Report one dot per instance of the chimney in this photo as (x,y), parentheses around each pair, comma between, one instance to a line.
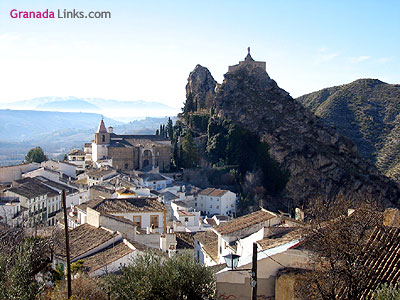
(110,129)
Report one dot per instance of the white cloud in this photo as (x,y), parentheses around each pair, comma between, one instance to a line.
(9,36)
(359,59)
(325,55)
(384,60)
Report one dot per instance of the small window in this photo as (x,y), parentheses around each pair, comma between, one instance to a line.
(154,221)
(103,138)
(126,166)
(210,206)
(186,219)
(195,204)
(137,220)
(217,206)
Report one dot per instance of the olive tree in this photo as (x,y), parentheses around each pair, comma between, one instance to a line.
(151,276)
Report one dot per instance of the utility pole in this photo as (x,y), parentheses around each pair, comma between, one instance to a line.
(67,245)
(254,273)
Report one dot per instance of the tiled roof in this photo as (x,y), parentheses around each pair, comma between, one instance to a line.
(106,256)
(31,188)
(76,152)
(244,221)
(185,213)
(169,196)
(212,250)
(382,258)
(100,171)
(181,203)
(221,217)
(206,237)
(184,240)
(275,241)
(151,177)
(101,128)
(211,221)
(139,137)
(130,205)
(60,186)
(213,192)
(91,203)
(83,239)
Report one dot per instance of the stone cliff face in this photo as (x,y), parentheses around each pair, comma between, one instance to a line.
(200,92)
(320,161)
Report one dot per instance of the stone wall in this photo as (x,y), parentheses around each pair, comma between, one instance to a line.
(123,158)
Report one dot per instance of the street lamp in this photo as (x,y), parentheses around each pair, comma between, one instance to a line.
(232,260)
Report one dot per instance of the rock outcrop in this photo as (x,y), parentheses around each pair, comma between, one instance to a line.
(320,161)
(200,89)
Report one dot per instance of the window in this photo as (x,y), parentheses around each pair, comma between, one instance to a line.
(126,166)
(186,219)
(210,206)
(103,138)
(217,206)
(195,204)
(154,221)
(137,220)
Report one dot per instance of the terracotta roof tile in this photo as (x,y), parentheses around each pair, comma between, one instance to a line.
(206,237)
(382,258)
(119,205)
(244,221)
(184,213)
(83,239)
(213,192)
(212,250)
(106,256)
(275,241)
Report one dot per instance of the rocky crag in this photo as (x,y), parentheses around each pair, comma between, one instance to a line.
(320,162)
(368,112)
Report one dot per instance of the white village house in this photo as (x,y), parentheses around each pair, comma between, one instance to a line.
(213,201)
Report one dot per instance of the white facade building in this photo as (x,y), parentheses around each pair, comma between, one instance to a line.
(216,202)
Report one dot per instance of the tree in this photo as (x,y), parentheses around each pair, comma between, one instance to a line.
(189,154)
(35,155)
(22,259)
(153,277)
(170,129)
(387,292)
(338,244)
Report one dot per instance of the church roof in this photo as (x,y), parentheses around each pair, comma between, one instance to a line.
(102,127)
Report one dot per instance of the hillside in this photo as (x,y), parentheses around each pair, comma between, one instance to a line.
(366,111)
(118,110)
(57,132)
(257,126)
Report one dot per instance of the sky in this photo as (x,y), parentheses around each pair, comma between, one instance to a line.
(147,49)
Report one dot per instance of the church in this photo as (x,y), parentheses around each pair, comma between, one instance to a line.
(130,152)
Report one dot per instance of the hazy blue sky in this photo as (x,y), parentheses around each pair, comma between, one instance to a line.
(147,49)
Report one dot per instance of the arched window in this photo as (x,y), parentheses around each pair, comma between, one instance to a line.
(103,138)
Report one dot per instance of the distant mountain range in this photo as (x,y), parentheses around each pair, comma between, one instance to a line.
(368,112)
(120,110)
(57,132)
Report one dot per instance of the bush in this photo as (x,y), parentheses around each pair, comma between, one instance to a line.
(153,277)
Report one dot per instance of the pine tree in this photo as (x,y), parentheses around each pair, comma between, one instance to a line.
(189,154)
(170,129)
